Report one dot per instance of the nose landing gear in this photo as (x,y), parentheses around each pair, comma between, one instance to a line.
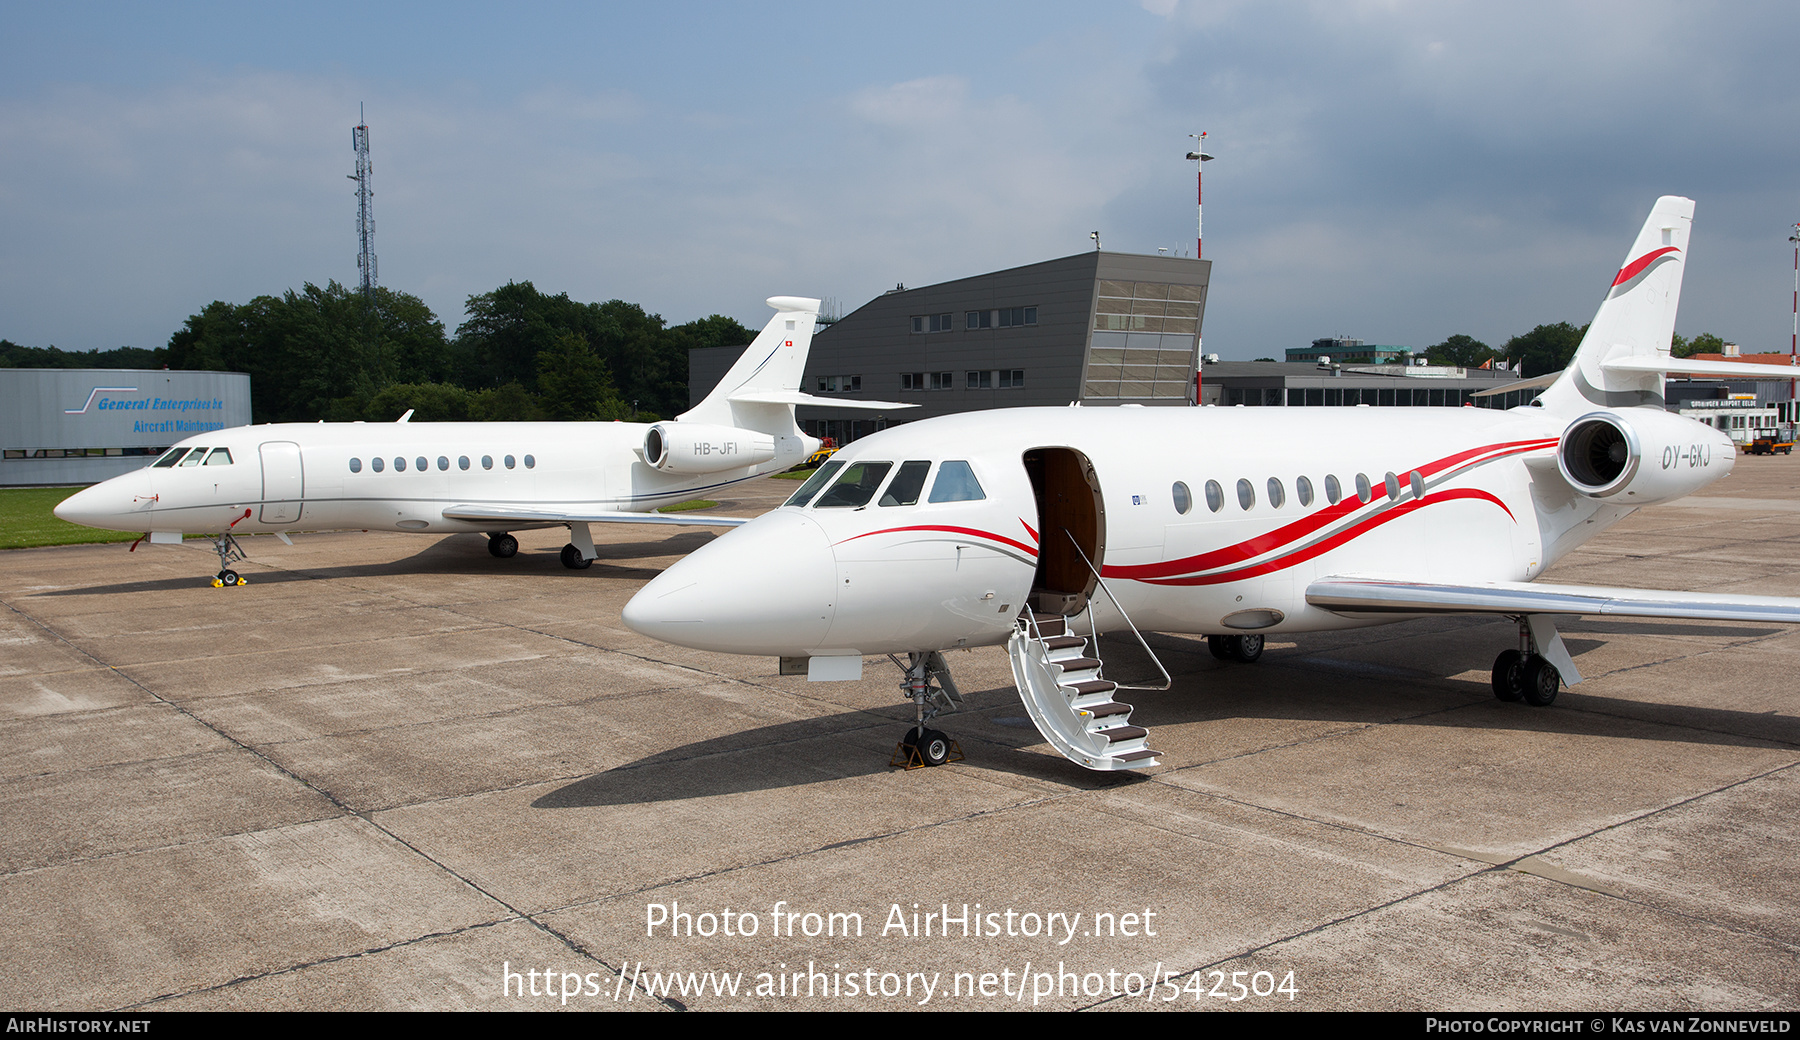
(923,746)
(229,553)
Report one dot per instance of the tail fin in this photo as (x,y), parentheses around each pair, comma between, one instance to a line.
(1625,353)
(774,362)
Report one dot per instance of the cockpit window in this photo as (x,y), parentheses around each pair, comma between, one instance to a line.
(819,479)
(856,486)
(904,491)
(174,455)
(195,458)
(956,483)
(219,457)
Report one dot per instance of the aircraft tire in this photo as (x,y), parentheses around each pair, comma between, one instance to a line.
(572,558)
(1246,648)
(1219,647)
(229,577)
(1541,681)
(503,546)
(934,748)
(1509,675)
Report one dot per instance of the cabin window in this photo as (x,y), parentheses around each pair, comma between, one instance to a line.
(510,462)
(219,457)
(856,486)
(819,479)
(399,464)
(170,459)
(1215,496)
(1393,487)
(1363,491)
(487,462)
(462,462)
(904,491)
(375,464)
(1333,490)
(530,462)
(194,458)
(422,463)
(356,465)
(1246,494)
(1277,494)
(1303,489)
(1184,499)
(443,462)
(956,483)
(1417,480)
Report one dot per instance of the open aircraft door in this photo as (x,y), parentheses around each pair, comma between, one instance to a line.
(284,482)
(1071,525)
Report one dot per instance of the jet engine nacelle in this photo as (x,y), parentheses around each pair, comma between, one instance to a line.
(1641,456)
(682,447)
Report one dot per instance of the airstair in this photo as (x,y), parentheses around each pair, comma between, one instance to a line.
(1072,705)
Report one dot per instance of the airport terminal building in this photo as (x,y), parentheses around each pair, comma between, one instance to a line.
(83,425)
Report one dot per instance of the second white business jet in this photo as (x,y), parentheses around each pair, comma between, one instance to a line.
(492,477)
(1039,528)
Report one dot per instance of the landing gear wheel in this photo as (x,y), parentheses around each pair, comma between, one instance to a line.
(1541,681)
(572,558)
(228,577)
(1245,648)
(1509,675)
(934,748)
(503,546)
(1219,646)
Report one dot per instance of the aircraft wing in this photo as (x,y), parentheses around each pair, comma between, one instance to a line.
(1367,596)
(504,514)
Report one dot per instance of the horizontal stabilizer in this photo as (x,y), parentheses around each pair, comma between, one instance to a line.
(1522,384)
(1365,596)
(520,515)
(800,397)
(1680,366)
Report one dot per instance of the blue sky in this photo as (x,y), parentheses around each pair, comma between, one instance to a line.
(1392,171)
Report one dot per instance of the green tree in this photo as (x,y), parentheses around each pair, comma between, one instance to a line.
(1705,343)
(1547,348)
(573,383)
(1460,350)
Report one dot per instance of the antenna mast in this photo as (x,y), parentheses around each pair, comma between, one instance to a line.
(365,223)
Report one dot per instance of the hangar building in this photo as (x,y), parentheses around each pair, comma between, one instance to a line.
(83,425)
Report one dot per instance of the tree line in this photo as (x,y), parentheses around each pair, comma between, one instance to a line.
(1545,349)
(520,354)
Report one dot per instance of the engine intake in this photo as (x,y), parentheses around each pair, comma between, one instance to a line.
(679,447)
(1641,456)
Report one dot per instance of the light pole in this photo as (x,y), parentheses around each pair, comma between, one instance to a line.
(1199,158)
(1794,344)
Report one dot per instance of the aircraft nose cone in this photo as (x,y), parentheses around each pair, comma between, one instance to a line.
(87,507)
(764,588)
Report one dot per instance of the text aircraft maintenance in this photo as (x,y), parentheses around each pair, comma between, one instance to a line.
(442,478)
(1040,528)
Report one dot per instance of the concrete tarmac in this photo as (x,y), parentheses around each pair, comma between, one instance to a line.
(394,772)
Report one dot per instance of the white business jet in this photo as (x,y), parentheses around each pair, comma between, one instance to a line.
(493,477)
(1040,528)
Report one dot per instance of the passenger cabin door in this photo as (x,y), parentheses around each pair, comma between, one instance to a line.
(1071,516)
(284,482)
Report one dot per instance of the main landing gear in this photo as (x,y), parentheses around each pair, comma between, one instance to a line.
(572,558)
(1524,674)
(502,546)
(922,745)
(1235,648)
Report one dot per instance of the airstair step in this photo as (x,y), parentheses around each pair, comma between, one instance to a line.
(1076,664)
(1136,756)
(1054,643)
(1091,687)
(1101,711)
(1120,734)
